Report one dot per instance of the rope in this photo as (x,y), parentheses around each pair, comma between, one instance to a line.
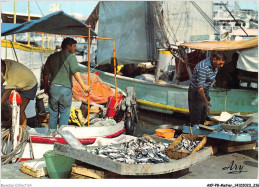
(8,153)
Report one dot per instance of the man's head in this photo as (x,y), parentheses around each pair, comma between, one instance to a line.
(69,44)
(218,59)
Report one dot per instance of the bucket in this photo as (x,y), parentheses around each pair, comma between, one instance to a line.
(58,166)
(166,133)
(111,104)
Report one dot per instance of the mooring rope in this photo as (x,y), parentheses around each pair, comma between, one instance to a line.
(8,153)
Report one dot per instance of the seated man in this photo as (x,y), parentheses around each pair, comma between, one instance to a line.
(20,78)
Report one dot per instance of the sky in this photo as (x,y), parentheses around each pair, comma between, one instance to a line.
(82,7)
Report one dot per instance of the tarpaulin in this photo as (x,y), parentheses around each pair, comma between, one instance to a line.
(56,23)
(248,59)
(99,93)
(131,26)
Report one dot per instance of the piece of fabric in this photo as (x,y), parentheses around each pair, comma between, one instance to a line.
(248,59)
(18,76)
(54,23)
(198,112)
(203,76)
(99,90)
(60,99)
(61,66)
(30,94)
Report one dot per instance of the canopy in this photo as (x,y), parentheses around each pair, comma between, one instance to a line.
(8,26)
(223,45)
(58,23)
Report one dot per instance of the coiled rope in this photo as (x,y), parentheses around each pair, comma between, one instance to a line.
(8,153)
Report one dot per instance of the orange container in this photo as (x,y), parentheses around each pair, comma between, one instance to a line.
(166,133)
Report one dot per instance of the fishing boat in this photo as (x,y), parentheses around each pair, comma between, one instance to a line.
(156,34)
(33,142)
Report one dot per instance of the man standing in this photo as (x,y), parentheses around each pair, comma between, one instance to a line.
(20,78)
(203,76)
(59,69)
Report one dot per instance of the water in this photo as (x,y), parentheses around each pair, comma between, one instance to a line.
(148,121)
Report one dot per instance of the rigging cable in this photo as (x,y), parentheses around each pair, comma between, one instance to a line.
(234,18)
(208,19)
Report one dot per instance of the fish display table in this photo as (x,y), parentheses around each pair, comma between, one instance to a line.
(250,133)
(133,169)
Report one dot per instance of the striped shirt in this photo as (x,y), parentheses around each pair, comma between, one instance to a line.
(203,76)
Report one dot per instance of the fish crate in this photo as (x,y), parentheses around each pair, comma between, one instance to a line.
(173,153)
(237,128)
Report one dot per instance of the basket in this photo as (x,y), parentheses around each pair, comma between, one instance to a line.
(165,133)
(237,128)
(172,153)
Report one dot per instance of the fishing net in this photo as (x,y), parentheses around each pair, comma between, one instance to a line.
(99,92)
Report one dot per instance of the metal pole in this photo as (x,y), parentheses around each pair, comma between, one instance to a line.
(114,50)
(14,19)
(29,18)
(88,72)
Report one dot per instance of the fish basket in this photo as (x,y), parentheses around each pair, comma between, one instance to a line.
(173,153)
(237,128)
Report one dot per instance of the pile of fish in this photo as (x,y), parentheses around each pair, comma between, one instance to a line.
(236,121)
(137,151)
(187,144)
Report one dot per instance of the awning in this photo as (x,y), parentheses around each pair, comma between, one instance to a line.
(8,26)
(58,23)
(223,45)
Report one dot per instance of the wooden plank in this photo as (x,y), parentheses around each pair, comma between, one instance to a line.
(206,127)
(239,147)
(36,169)
(86,171)
(93,172)
(79,176)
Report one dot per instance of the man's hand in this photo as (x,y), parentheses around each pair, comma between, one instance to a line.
(46,89)
(81,83)
(207,105)
(86,88)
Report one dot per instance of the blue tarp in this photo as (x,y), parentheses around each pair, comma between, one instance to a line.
(8,27)
(58,23)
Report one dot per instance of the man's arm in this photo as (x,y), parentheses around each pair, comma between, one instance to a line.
(203,97)
(80,81)
(5,96)
(46,83)
(2,81)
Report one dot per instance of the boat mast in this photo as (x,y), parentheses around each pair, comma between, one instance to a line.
(29,18)
(14,19)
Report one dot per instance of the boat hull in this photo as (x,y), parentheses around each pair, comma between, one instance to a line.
(169,98)
(41,142)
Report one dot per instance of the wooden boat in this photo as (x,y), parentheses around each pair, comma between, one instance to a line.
(169,95)
(39,140)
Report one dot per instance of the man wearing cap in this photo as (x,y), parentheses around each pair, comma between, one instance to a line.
(59,69)
(204,74)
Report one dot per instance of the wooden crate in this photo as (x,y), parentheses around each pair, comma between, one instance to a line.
(231,146)
(237,128)
(173,153)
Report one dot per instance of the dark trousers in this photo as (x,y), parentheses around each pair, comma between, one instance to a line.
(198,112)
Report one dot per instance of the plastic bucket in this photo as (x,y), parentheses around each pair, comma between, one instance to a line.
(58,166)
(111,105)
